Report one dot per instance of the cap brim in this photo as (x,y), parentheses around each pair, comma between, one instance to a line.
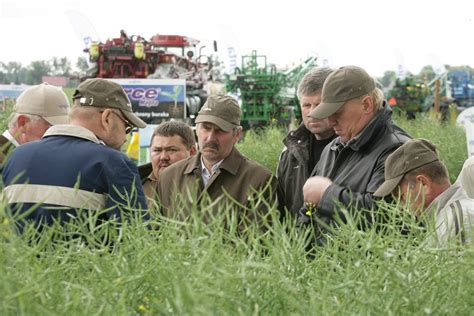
(57,120)
(325,110)
(135,120)
(221,123)
(388,186)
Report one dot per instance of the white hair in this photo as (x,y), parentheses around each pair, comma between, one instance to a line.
(13,119)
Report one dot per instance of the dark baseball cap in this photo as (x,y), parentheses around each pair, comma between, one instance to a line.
(344,84)
(223,111)
(108,94)
(414,154)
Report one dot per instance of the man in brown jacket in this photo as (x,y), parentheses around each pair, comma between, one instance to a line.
(219,172)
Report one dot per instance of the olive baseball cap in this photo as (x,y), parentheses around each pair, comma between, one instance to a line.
(108,94)
(344,84)
(223,111)
(413,154)
(47,101)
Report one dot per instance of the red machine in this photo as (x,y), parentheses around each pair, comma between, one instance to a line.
(135,57)
(162,57)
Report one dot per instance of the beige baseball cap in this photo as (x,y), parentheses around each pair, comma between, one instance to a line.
(344,84)
(47,101)
(108,94)
(223,111)
(414,154)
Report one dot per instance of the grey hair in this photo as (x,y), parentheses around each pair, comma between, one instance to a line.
(378,97)
(313,81)
(13,119)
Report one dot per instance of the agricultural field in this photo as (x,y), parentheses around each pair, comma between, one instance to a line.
(196,269)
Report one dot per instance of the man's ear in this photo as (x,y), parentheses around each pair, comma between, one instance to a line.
(22,120)
(105,120)
(425,183)
(193,150)
(368,104)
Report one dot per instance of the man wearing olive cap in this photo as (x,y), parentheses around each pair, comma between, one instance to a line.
(219,171)
(79,165)
(351,167)
(415,175)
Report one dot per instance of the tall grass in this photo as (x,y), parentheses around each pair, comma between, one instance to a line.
(192,268)
(449,139)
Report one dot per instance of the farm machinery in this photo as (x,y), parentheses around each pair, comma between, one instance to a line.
(161,57)
(266,93)
(453,87)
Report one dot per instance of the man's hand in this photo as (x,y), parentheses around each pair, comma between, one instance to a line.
(314,189)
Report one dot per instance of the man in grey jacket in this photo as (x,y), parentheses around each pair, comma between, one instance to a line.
(303,146)
(351,167)
(415,175)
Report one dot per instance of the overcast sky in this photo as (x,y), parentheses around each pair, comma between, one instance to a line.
(376,35)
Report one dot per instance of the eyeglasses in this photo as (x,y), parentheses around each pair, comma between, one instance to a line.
(128,126)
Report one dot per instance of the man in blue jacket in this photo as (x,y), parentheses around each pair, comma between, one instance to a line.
(79,166)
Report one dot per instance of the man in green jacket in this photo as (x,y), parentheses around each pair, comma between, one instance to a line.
(219,173)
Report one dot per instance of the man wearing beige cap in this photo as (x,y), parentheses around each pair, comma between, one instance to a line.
(219,171)
(36,109)
(351,166)
(79,165)
(415,175)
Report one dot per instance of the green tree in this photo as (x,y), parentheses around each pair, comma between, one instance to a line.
(60,66)
(82,65)
(388,78)
(36,70)
(14,72)
(426,74)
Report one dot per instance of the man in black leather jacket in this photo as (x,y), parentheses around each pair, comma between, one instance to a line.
(351,167)
(303,146)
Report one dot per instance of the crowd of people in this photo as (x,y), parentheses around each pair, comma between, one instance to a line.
(347,156)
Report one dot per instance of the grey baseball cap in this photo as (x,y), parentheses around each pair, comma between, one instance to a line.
(223,111)
(47,101)
(344,84)
(413,154)
(105,93)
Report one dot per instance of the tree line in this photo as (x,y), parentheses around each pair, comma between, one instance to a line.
(14,72)
(426,74)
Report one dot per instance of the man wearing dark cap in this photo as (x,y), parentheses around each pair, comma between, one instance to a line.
(219,171)
(415,175)
(36,109)
(79,165)
(351,167)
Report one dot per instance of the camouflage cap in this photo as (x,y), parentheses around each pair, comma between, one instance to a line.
(344,84)
(108,94)
(223,111)
(413,154)
(47,101)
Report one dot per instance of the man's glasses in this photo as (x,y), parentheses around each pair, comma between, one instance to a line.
(128,126)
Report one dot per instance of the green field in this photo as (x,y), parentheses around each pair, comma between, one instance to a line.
(196,269)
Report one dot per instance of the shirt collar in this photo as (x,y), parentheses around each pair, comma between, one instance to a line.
(10,137)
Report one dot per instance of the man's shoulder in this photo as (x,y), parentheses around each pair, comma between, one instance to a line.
(178,167)
(253,166)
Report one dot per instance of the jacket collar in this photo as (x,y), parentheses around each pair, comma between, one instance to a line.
(453,193)
(73,130)
(231,163)
(299,136)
